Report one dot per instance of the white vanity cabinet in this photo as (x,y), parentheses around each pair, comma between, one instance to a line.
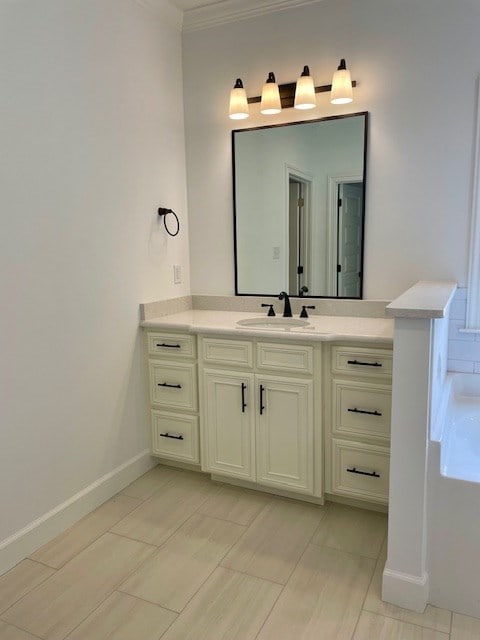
(258,413)
(357,421)
(173,391)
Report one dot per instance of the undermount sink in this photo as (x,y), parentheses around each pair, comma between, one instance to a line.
(269,322)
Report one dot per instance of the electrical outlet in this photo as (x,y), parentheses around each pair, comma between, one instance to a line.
(177,274)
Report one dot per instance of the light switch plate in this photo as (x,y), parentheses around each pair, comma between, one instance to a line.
(177,274)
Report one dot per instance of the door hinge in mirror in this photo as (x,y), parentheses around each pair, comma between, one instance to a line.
(299,270)
(339,268)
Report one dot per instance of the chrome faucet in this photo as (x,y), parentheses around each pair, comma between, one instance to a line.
(287,310)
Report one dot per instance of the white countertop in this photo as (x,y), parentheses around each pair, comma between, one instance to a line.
(424,300)
(320,328)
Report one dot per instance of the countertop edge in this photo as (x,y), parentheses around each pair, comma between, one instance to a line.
(426,299)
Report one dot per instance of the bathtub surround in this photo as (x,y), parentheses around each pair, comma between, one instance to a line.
(464,345)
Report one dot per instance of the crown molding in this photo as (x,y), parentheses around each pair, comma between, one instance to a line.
(165,10)
(233,10)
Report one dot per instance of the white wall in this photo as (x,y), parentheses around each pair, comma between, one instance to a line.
(416,63)
(92,142)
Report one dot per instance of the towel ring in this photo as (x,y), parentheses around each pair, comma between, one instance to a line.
(162,211)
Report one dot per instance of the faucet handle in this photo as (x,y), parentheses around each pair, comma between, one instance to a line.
(304,313)
(271,311)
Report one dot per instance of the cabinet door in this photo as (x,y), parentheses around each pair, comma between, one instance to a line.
(229,423)
(285,433)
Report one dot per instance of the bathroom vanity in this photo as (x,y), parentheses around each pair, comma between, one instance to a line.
(301,411)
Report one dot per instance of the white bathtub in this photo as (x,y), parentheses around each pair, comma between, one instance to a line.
(453,516)
(460,434)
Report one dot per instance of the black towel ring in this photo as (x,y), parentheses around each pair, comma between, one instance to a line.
(162,211)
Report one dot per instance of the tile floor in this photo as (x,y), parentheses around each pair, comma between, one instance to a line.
(178,557)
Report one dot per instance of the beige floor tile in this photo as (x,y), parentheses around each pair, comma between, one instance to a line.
(7,632)
(353,530)
(158,517)
(58,605)
(235,504)
(122,617)
(374,627)
(432,618)
(465,628)
(146,485)
(183,563)
(20,580)
(274,542)
(229,606)
(68,544)
(323,597)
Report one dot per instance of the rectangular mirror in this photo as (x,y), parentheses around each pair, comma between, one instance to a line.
(299,207)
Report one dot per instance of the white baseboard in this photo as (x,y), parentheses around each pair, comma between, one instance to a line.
(405,590)
(35,534)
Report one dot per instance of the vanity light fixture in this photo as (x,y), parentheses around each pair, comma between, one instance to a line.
(300,95)
(238,102)
(305,91)
(341,85)
(270,103)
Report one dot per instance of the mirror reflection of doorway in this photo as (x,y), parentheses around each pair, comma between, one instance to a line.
(349,239)
(299,211)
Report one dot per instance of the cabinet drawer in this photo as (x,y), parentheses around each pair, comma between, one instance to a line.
(360,471)
(285,357)
(238,353)
(175,436)
(173,385)
(360,408)
(166,344)
(362,361)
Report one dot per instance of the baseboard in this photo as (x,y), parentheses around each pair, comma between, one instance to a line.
(35,534)
(405,590)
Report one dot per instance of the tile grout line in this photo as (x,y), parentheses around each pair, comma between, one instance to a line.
(294,568)
(110,592)
(362,608)
(34,635)
(30,591)
(413,624)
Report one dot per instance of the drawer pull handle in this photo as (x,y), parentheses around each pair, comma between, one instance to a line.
(170,386)
(167,435)
(365,364)
(244,404)
(262,406)
(374,474)
(369,413)
(168,346)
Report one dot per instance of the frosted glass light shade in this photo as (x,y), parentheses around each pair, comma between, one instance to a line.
(342,92)
(270,103)
(305,91)
(238,102)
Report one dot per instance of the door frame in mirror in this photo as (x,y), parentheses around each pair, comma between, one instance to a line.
(365,114)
